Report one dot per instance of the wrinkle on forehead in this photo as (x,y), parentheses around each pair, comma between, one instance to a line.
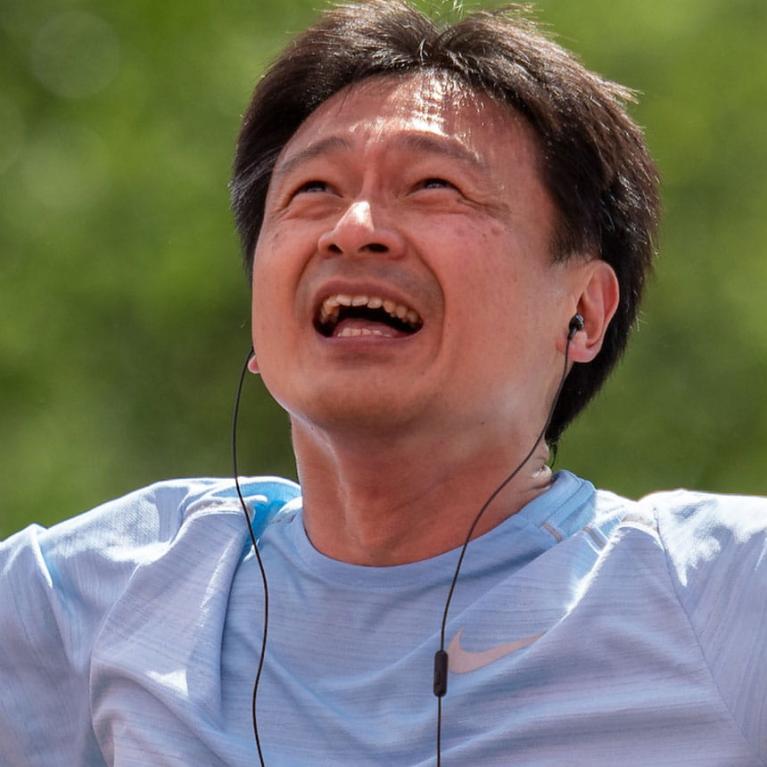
(427,100)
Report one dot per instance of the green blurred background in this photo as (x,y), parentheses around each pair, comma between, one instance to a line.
(124,310)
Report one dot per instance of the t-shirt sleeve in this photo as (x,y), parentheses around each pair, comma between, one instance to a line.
(56,586)
(717,549)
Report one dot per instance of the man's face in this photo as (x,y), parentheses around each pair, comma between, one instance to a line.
(420,203)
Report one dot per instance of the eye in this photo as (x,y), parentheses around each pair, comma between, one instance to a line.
(312,187)
(435,182)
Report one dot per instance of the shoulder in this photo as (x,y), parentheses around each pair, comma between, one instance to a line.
(702,530)
(715,548)
(716,552)
(81,567)
(154,513)
(715,545)
(137,528)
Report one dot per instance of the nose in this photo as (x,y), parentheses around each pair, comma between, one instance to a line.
(359,232)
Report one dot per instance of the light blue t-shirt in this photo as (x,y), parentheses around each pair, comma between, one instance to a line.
(585,630)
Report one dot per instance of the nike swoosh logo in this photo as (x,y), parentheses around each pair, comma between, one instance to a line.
(462,661)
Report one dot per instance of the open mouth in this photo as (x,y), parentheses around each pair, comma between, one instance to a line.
(344,316)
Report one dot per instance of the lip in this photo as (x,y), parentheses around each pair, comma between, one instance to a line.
(361,288)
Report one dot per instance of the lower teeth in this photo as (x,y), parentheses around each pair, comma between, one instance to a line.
(348,332)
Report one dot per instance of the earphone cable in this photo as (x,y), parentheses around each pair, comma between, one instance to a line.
(441,657)
(235,414)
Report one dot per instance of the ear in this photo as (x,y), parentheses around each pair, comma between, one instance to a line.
(253,364)
(596,301)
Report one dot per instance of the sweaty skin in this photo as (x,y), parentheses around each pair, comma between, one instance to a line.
(422,193)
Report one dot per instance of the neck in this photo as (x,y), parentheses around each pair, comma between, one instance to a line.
(391,501)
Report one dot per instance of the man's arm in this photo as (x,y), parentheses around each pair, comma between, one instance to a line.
(56,586)
(717,548)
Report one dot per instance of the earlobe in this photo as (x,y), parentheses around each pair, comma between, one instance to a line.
(597,304)
(253,364)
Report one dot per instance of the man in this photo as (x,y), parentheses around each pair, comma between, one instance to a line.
(445,227)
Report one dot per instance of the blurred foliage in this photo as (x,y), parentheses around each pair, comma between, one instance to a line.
(124,310)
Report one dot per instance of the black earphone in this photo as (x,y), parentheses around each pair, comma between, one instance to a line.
(575,325)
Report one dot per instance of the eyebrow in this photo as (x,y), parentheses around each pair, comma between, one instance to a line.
(414,141)
(323,146)
(446,147)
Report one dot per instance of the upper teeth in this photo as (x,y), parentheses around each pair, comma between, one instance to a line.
(329,308)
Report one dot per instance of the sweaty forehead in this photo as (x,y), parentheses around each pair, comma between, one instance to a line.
(427,101)
(432,103)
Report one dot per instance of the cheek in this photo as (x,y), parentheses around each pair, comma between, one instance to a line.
(487,275)
(259,312)
(279,262)
(493,316)
(264,301)
(271,266)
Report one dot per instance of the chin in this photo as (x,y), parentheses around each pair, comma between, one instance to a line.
(354,411)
